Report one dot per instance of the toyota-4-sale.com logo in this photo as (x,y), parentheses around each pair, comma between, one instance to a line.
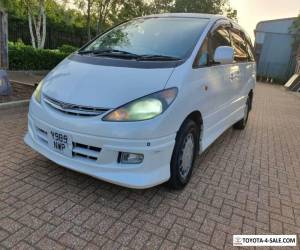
(264,240)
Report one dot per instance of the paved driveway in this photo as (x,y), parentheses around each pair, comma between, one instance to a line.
(19,92)
(247,182)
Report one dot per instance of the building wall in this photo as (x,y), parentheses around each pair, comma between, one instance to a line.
(297,68)
(273,48)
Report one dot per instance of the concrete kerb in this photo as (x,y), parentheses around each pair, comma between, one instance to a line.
(14,104)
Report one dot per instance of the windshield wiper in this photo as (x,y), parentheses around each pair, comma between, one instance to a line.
(157,58)
(126,54)
(110,52)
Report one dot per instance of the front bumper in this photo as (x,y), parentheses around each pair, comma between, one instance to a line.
(154,170)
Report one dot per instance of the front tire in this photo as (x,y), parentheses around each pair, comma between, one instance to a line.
(184,154)
(241,124)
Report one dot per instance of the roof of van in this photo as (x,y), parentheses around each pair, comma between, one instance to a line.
(211,17)
(193,15)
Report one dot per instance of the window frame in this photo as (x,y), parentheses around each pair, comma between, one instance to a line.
(221,23)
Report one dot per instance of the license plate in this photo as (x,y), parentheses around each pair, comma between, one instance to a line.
(60,142)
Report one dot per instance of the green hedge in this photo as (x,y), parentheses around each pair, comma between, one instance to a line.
(24,57)
(67,49)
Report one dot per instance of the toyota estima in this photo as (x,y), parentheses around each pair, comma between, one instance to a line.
(137,104)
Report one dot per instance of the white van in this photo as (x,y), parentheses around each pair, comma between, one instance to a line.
(137,104)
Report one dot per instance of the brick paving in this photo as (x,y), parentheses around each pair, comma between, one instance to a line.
(247,182)
(19,92)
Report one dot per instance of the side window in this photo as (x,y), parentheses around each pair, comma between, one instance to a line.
(240,46)
(219,37)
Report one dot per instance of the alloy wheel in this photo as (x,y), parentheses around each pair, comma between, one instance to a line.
(187,155)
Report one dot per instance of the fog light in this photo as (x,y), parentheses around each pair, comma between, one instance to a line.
(130,158)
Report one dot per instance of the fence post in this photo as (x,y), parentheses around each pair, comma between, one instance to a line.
(3,40)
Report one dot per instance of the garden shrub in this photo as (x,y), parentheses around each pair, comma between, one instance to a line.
(24,57)
(67,49)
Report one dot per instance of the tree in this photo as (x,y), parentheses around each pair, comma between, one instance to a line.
(96,16)
(131,9)
(205,6)
(59,14)
(231,13)
(37,22)
(161,6)
(105,8)
(14,6)
(3,40)
(87,7)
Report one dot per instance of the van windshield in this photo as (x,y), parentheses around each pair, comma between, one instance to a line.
(152,37)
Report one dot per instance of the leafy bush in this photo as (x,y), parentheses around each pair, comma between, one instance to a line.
(67,49)
(24,57)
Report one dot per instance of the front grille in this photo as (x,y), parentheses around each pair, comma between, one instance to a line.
(73,109)
(79,150)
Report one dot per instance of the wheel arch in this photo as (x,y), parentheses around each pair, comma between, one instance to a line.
(196,116)
(250,95)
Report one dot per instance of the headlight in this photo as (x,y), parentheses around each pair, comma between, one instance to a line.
(38,92)
(144,108)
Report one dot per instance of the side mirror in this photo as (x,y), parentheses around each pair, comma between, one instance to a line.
(224,55)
